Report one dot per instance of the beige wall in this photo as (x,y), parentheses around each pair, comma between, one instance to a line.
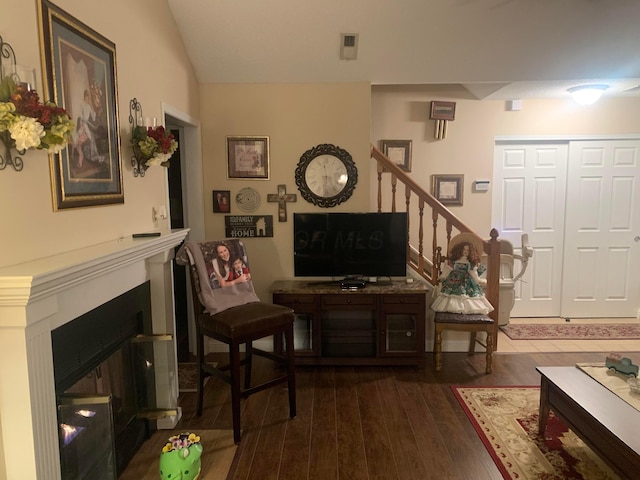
(152,66)
(403,113)
(295,117)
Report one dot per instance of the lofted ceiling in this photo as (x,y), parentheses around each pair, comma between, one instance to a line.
(496,49)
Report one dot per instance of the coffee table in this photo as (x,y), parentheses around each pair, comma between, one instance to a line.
(605,422)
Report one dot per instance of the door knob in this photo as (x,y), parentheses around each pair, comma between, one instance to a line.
(637,238)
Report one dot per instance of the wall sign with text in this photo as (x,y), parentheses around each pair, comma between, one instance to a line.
(248,226)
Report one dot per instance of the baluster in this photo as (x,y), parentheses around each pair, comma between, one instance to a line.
(434,241)
(380,170)
(421,236)
(407,203)
(394,184)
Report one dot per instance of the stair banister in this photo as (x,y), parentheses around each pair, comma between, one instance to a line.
(491,247)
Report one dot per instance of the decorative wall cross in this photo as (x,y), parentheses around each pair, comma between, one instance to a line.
(282,197)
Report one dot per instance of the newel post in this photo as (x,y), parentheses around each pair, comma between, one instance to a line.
(493,279)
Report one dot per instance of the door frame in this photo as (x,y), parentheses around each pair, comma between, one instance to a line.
(192,190)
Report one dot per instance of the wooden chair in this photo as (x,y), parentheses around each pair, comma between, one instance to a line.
(235,326)
(472,323)
(467,323)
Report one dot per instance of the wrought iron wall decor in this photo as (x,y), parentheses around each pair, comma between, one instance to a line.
(135,119)
(7,64)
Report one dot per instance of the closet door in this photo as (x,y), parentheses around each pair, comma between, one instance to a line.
(529,197)
(602,235)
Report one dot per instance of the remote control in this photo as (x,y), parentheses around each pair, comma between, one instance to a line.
(144,235)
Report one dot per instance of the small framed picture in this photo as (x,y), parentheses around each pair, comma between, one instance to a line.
(221,201)
(448,189)
(248,157)
(399,152)
(443,110)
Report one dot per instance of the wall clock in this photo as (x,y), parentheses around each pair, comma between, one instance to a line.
(326,175)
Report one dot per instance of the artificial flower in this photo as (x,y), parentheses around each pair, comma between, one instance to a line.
(30,123)
(153,146)
(177,442)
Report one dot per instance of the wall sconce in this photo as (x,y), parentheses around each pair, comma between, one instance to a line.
(152,144)
(26,122)
(587,94)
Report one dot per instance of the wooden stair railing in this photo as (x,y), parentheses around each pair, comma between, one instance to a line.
(428,268)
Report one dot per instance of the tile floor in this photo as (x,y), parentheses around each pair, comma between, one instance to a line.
(505,344)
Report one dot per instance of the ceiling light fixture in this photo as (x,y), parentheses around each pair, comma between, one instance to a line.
(587,94)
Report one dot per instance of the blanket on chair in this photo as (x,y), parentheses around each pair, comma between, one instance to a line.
(217,297)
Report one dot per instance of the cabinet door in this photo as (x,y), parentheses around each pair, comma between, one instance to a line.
(306,340)
(401,325)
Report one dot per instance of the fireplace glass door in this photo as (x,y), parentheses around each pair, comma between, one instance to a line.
(87,448)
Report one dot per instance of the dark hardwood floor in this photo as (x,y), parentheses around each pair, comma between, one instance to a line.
(367,422)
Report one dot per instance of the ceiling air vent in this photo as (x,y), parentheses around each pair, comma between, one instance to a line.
(348,46)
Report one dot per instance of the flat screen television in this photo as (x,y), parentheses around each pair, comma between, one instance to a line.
(350,245)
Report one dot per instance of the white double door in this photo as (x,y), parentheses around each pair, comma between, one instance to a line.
(579,202)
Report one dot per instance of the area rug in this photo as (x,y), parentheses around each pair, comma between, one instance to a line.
(188,376)
(506,419)
(573,331)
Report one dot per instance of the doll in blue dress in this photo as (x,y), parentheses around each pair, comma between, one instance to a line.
(461,288)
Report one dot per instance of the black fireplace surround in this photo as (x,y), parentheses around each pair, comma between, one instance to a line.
(94,355)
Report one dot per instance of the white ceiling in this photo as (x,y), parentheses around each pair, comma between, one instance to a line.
(497,49)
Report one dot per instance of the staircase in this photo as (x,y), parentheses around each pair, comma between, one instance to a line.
(444,225)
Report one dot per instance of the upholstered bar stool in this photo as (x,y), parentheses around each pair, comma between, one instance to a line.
(467,323)
(235,326)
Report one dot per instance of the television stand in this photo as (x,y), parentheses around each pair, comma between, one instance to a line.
(377,325)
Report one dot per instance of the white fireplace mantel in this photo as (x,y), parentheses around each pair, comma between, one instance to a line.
(38,296)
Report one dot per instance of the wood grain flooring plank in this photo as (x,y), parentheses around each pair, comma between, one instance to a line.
(352,459)
(429,443)
(323,455)
(401,436)
(380,460)
(323,461)
(297,441)
(267,457)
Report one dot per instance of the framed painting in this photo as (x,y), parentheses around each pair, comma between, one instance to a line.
(399,152)
(79,74)
(448,189)
(248,157)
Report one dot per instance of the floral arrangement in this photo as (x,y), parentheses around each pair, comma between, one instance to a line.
(153,145)
(178,442)
(28,123)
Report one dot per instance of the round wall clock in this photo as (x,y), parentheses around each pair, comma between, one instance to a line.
(326,175)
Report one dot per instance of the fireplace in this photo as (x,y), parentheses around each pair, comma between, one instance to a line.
(102,382)
(39,297)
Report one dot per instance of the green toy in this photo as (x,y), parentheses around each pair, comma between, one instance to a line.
(180,457)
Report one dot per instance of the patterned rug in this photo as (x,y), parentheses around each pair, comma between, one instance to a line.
(573,331)
(188,376)
(506,419)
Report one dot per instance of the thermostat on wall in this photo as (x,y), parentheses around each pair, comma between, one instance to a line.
(481,185)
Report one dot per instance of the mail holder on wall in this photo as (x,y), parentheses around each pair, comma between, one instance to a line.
(442,113)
